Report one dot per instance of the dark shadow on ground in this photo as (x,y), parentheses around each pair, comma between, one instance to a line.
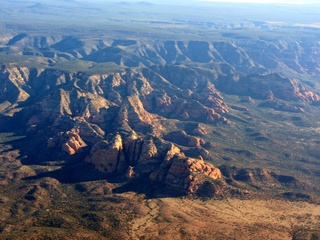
(74,169)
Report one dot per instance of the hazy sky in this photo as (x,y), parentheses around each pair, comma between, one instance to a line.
(268,1)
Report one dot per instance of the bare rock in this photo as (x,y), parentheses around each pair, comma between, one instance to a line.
(290,108)
(69,141)
(161,161)
(182,138)
(14,84)
(159,174)
(90,133)
(108,156)
(133,115)
(183,171)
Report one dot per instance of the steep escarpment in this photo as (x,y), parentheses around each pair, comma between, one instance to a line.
(160,161)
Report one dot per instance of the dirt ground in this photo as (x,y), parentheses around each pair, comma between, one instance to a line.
(169,218)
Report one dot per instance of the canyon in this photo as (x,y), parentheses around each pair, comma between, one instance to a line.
(180,136)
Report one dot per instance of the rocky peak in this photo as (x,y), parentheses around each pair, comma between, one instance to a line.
(70,142)
(133,115)
(161,161)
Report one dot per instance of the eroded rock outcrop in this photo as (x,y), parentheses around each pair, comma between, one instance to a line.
(183,93)
(133,115)
(14,87)
(70,142)
(186,172)
(182,138)
(108,156)
(161,161)
(267,86)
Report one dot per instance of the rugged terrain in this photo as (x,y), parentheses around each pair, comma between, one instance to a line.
(138,137)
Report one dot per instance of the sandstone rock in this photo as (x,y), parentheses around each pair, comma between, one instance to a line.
(133,154)
(73,144)
(183,172)
(70,142)
(215,103)
(144,154)
(130,172)
(108,156)
(137,84)
(205,168)
(159,174)
(181,138)
(89,132)
(132,150)
(194,110)
(133,115)
(205,105)
(81,108)
(311,96)
(171,152)
(14,86)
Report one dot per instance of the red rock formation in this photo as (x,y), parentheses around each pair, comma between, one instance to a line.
(184,171)
(107,156)
(161,161)
(133,115)
(182,138)
(70,142)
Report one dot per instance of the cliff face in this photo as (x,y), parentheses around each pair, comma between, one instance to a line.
(161,161)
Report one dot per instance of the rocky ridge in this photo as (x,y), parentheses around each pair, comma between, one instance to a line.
(161,161)
(255,55)
(123,122)
(111,116)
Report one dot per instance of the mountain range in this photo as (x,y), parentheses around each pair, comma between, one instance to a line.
(145,136)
